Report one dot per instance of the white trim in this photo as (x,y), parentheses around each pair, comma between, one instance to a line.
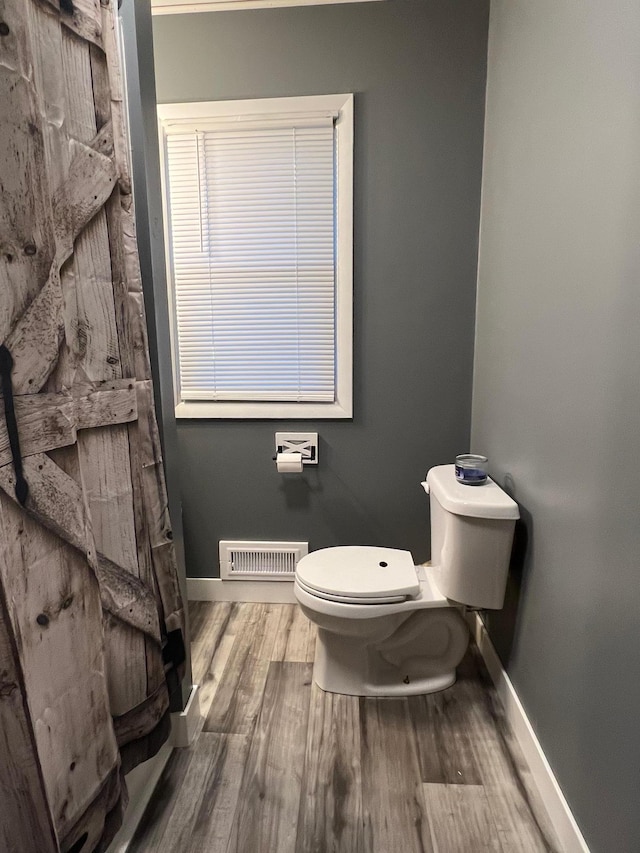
(185,725)
(178,7)
(264,411)
(340,105)
(141,784)
(560,815)
(215,589)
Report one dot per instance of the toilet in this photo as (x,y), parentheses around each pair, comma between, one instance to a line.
(389,628)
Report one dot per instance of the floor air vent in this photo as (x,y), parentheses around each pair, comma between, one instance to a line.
(269,561)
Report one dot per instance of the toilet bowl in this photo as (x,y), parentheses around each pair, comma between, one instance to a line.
(389,628)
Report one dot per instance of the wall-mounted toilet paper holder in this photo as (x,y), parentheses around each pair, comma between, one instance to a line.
(304,443)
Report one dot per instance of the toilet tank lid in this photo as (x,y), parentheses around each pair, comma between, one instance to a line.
(486,501)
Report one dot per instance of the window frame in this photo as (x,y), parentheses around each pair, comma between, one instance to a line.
(342,407)
(179,7)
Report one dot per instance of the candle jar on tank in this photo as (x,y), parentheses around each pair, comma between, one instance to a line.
(471,469)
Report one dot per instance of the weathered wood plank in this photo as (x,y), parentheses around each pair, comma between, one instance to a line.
(54,608)
(90,183)
(210,622)
(520,818)
(330,816)
(197,797)
(103,815)
(267,813)
(35,339)
(27,246)
(236,702)
(199,612)
(79,115)
(295,637)
(393,806)
(461,820)
(124,321)
(160,811)
(441,731)
(76,207)
(48,421)
(108,492)
(220,795)
(149,490)
(50,86)
(26,824)
(158,522)
(136,722)
(109,403)
(209,661)
(56,502)
(127,598)
(83,18)
(45,421)
(94,356)
(75,203)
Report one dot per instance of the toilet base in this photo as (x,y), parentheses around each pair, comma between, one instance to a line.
(326,682)
(418,657)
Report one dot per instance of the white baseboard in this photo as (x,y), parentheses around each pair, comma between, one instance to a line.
(141,783)
(562,820)
(214,589)
(185,724)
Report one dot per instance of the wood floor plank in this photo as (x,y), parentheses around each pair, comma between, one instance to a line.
(519,814)
(330,816)
(393,804)
(287,768)
(211,652)
(159,814)
(219,787)
(194,802)
(235,705)
(295,640)
(461,820)
(218,617)
(267,814)
(441,731)
(198,611)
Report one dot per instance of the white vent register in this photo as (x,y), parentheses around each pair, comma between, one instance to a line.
(260,560)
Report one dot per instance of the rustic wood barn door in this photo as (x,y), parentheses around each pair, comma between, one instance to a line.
(91,618)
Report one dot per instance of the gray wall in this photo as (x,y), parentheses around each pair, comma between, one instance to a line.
(556,400)
(417,68)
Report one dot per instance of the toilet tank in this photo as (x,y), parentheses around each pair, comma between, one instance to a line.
(471,537)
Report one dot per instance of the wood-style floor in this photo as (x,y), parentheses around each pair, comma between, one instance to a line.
(281,767)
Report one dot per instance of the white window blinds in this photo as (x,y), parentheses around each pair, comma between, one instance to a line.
(251,217)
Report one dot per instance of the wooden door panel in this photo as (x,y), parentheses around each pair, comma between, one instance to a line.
(54,608)
(88,584)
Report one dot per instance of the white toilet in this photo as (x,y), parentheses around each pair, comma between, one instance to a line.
(389,628)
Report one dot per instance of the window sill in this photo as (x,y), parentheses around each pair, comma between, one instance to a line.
(263,411)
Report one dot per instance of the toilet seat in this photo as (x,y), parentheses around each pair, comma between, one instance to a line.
(359,575)
(347,599)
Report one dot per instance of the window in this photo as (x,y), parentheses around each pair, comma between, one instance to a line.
(258,212)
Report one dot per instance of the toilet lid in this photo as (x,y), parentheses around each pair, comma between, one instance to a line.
(359,574)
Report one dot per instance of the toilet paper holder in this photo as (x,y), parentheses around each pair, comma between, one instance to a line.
(304,443)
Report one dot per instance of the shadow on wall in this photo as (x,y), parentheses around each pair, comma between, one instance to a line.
(503,622)
(343,511)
